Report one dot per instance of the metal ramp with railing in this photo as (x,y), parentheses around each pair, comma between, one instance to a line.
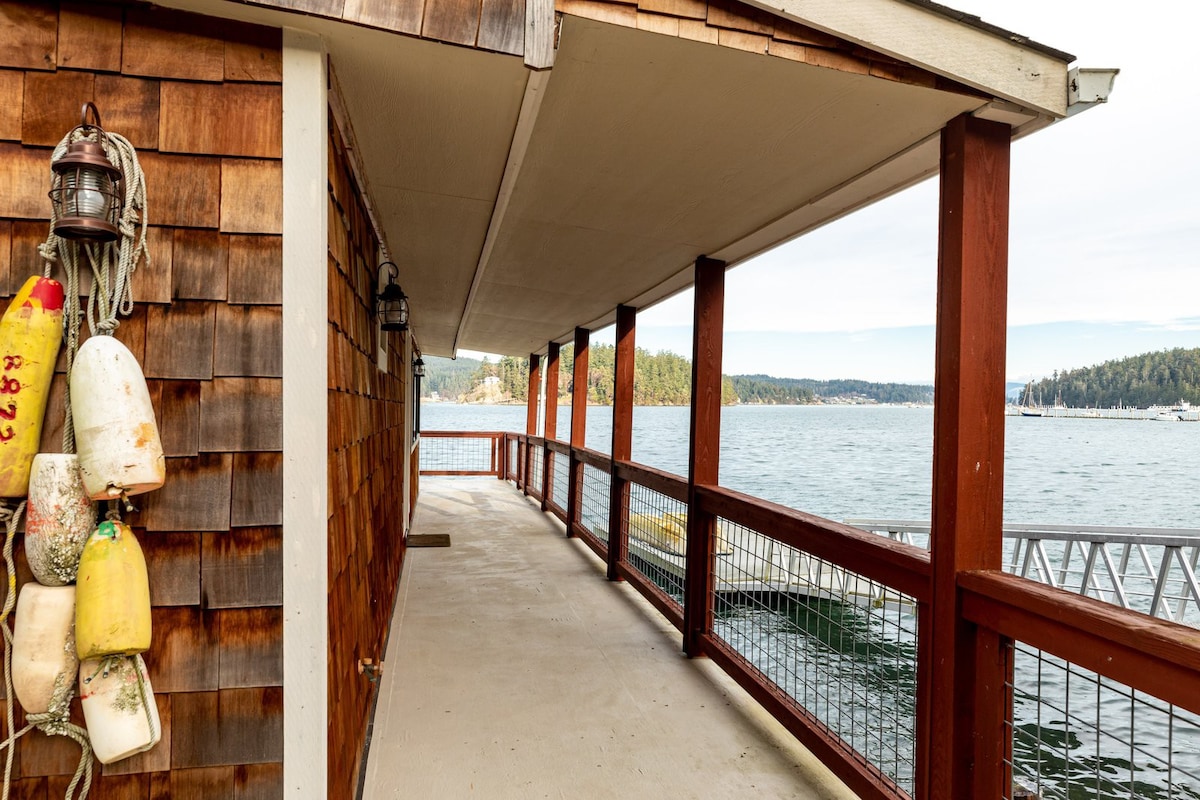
(1151,570)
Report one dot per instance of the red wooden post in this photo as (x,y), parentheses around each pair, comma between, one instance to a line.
(531,412)
(579,395)
(622,438)
(551,422)
(704,451)
(961,749)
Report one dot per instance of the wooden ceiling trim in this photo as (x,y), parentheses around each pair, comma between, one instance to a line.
(29,36)
(89,37)
(12,98)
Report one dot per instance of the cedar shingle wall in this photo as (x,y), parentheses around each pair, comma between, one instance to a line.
(201,100)
(366,469)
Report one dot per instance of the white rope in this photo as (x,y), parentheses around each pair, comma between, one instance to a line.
(55,721)
(112,263)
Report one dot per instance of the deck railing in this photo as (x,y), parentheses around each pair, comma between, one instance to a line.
(828,627)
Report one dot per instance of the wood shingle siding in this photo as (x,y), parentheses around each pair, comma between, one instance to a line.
(367,460)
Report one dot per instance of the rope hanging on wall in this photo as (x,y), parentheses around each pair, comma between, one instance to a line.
(112,264)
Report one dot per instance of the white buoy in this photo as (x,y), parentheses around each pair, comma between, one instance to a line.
(118,707)
(115,431)
(43,654)
(59,518)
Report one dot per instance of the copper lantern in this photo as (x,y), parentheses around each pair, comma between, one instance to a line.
(86,189)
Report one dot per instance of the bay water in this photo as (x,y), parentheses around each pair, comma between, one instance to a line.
(842,462)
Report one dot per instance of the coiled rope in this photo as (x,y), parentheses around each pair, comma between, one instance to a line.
(112,263)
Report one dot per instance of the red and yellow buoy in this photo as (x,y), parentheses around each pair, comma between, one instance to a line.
(30,335)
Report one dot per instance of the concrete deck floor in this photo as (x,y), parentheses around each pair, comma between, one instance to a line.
(515,670)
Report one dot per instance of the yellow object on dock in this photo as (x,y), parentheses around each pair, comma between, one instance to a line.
(112,606)
(30,335)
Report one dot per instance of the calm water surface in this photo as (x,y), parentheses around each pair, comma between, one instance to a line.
(876,461)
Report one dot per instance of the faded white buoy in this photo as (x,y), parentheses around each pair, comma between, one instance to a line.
(43,654)
(118,707)
(115,431)
(59,518)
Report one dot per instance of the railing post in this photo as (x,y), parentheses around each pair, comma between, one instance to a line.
(704,450)
(551,423)
(622,438)
(961,686)
(579,394)
(531,413)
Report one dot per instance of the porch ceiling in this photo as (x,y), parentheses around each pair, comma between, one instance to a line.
(521,204)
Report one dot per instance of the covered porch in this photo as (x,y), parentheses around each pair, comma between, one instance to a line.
(515,669)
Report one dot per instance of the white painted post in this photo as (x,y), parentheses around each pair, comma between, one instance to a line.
(305,418)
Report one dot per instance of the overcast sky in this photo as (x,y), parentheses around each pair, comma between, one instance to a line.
(1104,230)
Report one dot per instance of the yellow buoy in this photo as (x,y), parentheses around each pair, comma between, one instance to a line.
(112,598)
(30,334)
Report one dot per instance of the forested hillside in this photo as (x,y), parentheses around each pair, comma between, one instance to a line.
(1161,378)
(661,378)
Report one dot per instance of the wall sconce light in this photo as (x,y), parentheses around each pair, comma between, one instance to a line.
(391,304)
(419,367)
(86,188)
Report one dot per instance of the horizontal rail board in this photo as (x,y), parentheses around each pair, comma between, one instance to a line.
(1152,655)
(460,473)
(894,564)
(666,605)
(657,480)
(861,779)
(462,434)
(1107,534)
(593,458)
(556,446)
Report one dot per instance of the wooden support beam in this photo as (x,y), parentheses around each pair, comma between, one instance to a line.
(961,743)
(531,413)
(551,425)
(579,395)
(622,438)
(704,450)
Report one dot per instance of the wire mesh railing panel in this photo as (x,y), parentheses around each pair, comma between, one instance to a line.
(1077,735)
(514,458)
(534,484)
(593,510)
(561,483)
(475,454)
(657,546)
(843,648)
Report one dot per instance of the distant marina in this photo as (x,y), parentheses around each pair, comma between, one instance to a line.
(1183,412)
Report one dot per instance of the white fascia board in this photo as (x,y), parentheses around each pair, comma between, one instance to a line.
(305,418)
(944,46)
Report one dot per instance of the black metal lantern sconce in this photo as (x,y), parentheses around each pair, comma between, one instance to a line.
(86,188)
(391,304)
(419,366)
